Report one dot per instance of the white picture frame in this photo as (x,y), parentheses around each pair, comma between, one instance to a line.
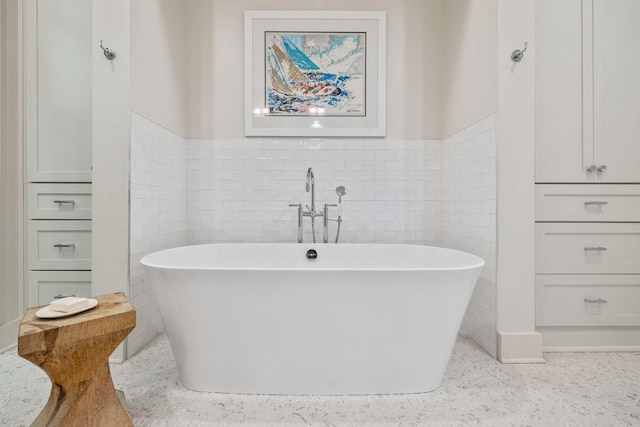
(273,109)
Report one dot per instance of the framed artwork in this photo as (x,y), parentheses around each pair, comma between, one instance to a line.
(315,73)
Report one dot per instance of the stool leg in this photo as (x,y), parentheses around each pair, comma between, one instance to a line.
(94,403)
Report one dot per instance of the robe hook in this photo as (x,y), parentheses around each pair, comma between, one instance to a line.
(109,53)
(516,55)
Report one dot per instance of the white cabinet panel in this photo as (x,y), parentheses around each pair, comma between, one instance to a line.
(587,248)
(59,201)
(588,203)
(58,53)
(576,300)
(45,286)
(616,83)
(60,245)
(560,155)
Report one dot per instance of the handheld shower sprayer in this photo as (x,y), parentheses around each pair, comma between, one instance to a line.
(340,191)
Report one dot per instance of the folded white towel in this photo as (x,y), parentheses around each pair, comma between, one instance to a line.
(68,304)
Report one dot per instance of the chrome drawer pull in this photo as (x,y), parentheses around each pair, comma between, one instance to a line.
(65,202)
(595,301)
(596,203)
(595,248)
(64,245)
(63,296)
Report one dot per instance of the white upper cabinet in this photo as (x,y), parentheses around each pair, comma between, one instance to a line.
(587,91)
(558,91)
(616,84)
(58,90)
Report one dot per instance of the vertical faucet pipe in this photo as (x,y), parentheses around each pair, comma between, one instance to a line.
(311,186)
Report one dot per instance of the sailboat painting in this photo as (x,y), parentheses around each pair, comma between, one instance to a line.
(315,73)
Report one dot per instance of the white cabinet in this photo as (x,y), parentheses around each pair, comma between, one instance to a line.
(587,91)
(58,134)
(587,157)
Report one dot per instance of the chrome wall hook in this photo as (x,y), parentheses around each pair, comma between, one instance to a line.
(109,53)
(516,55)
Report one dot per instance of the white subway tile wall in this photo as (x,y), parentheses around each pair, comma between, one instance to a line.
(469,218)
(158,215)
(240,190)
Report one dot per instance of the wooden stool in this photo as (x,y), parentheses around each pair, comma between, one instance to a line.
(74,352)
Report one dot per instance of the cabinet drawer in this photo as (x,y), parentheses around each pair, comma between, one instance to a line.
(588,203)
(45,286)
(587,248)
(59,245)
(593,300)
(59,201)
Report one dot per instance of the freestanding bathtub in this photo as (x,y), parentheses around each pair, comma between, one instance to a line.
(358,319)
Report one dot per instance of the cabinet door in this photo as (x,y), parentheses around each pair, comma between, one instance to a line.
(564,148)
(58,90)
(616,82)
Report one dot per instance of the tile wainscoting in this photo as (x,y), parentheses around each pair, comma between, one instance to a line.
(469,218)
(158,215)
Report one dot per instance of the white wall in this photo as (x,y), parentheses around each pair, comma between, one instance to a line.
(110,156)
(159,63)
(518,341)
(470,73)
(216,64)
(159,114)
(11,276)
(470,101)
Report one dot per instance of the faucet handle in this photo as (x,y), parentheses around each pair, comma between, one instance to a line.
(295,205)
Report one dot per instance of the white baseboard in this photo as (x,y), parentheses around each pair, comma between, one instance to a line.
(520,347)
(9,334)
(583,340)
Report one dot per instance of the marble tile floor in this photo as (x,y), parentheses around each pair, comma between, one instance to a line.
(571,389)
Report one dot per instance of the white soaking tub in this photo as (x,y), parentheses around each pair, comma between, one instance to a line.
(358,319)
